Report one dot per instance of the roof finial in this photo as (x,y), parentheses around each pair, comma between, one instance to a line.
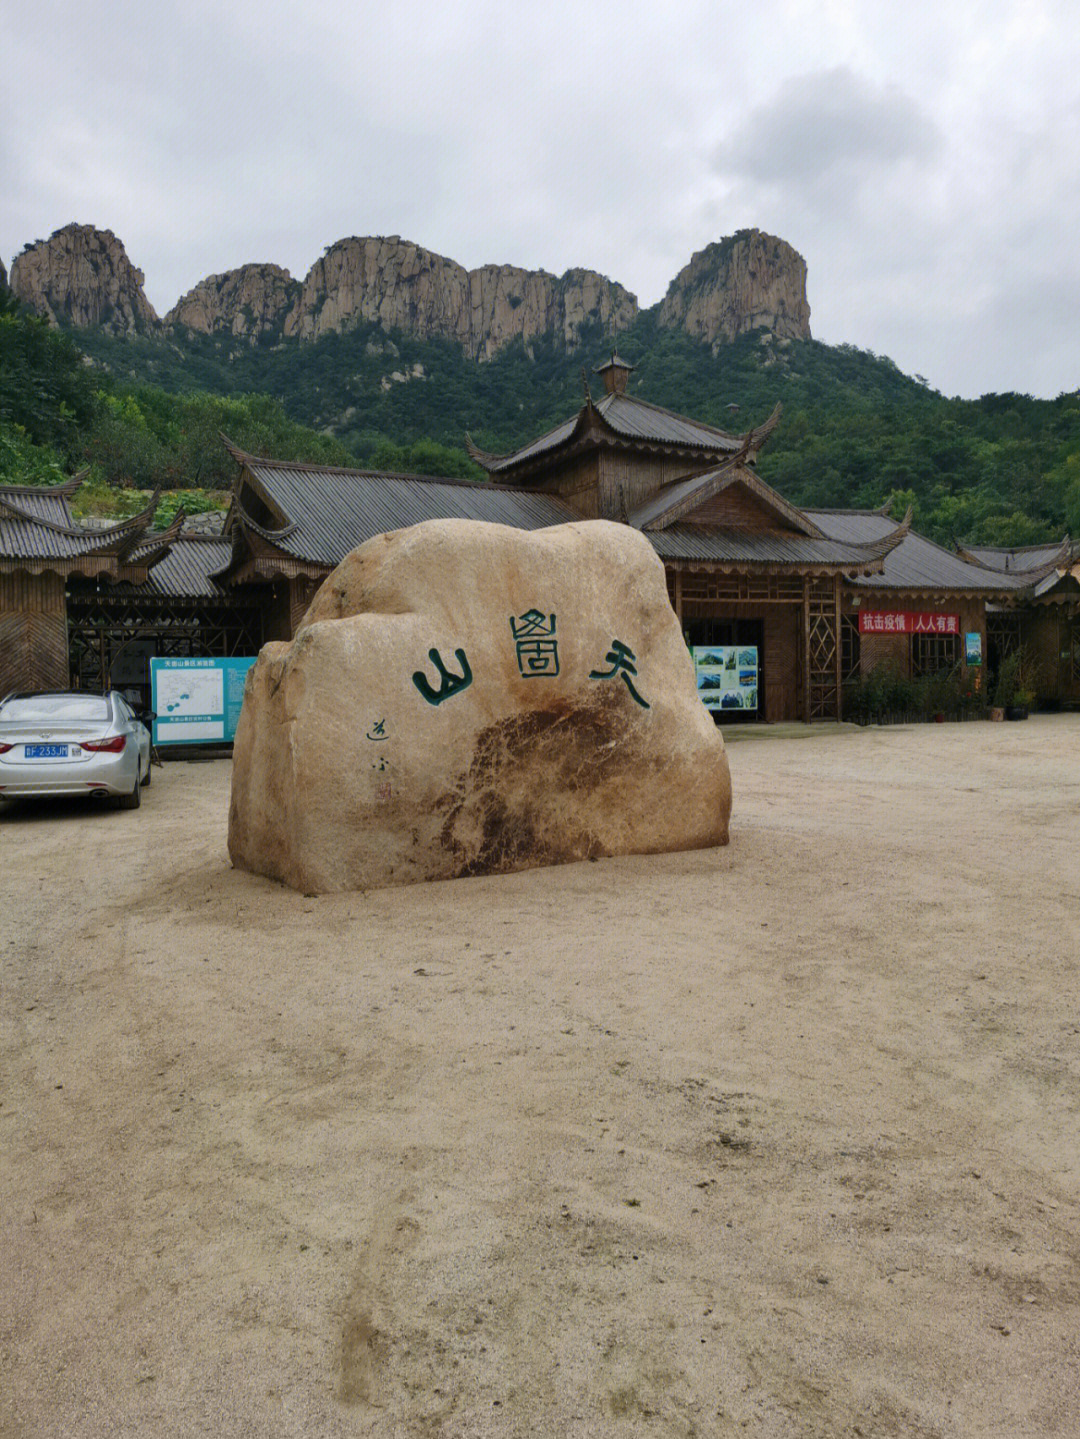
(615,372)
(585,383)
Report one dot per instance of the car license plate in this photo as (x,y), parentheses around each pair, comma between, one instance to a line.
(46,751)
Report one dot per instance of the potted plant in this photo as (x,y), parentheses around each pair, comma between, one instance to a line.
(1008,681)
(1021,705)
(1014,693)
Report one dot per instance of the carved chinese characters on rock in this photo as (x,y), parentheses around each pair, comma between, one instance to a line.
(536,646)
(621,659)
(464,699)
(536,650)
(449,684)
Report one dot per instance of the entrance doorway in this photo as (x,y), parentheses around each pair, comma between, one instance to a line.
(712,630)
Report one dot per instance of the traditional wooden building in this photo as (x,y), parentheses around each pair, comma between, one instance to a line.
(88,607)
(1043,616)
(821,595)
(745,566)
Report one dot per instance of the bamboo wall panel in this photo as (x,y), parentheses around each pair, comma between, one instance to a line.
(301,593)
(894,651)
(630,479)
(781,662)
(33,633)
(576,483)
(1046,635)
(734,509)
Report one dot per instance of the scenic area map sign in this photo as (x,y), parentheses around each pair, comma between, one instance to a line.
(727,676)
(197,701)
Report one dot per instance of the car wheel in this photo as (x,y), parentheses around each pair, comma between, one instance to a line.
(132,800)
(149,774)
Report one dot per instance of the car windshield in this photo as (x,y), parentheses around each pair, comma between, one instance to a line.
(54,707)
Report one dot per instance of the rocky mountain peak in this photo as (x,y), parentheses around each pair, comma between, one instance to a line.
(400,285)
(247,302)
(81,276)
(749,281)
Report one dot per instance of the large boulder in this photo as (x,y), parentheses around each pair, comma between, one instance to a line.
(465,698)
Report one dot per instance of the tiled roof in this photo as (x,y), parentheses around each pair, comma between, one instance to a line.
(704,542)
(332,511)
(627,418)
(916,563)
(36,524)
(1020,560)
(678,499)
(186,570)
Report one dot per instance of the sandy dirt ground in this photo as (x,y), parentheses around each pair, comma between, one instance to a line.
(780,1139)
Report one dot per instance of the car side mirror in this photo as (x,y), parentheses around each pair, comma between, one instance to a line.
(147,716)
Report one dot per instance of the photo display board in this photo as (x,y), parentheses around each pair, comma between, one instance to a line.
(727,676)
(197,701)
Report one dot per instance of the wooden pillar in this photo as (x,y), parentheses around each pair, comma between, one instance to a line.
(839,651)
(806,648)
(678,597)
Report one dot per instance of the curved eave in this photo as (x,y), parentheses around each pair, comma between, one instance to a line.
(159,545)
(755,438)
(64,491)
(256,556)
(93,541)
(891,541)
(1059,562)
(592,426)
(583,422)
(272,537)
(515,475)
(792,569)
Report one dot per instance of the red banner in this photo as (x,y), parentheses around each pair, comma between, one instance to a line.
(907,622)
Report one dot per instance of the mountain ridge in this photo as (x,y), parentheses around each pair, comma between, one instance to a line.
(82,277)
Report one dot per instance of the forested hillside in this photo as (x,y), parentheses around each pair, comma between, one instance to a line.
(856,431)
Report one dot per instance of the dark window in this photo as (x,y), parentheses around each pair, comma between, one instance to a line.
(930,654)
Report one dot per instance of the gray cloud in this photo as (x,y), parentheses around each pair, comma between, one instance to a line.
(922,158)
(833,120)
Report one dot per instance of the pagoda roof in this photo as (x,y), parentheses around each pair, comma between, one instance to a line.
(630,421)
(1052,571)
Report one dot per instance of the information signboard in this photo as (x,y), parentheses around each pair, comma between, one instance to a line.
(727,676)
(197,701)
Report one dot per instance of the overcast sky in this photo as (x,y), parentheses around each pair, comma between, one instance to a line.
(924,158)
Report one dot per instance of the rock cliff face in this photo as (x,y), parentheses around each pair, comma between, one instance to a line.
(83,277)
(399,285)
(750,281)
(245,302)
(3,276)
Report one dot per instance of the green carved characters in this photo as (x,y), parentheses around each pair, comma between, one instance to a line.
(536,649)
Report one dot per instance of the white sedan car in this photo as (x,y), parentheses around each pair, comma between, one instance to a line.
(73,743)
